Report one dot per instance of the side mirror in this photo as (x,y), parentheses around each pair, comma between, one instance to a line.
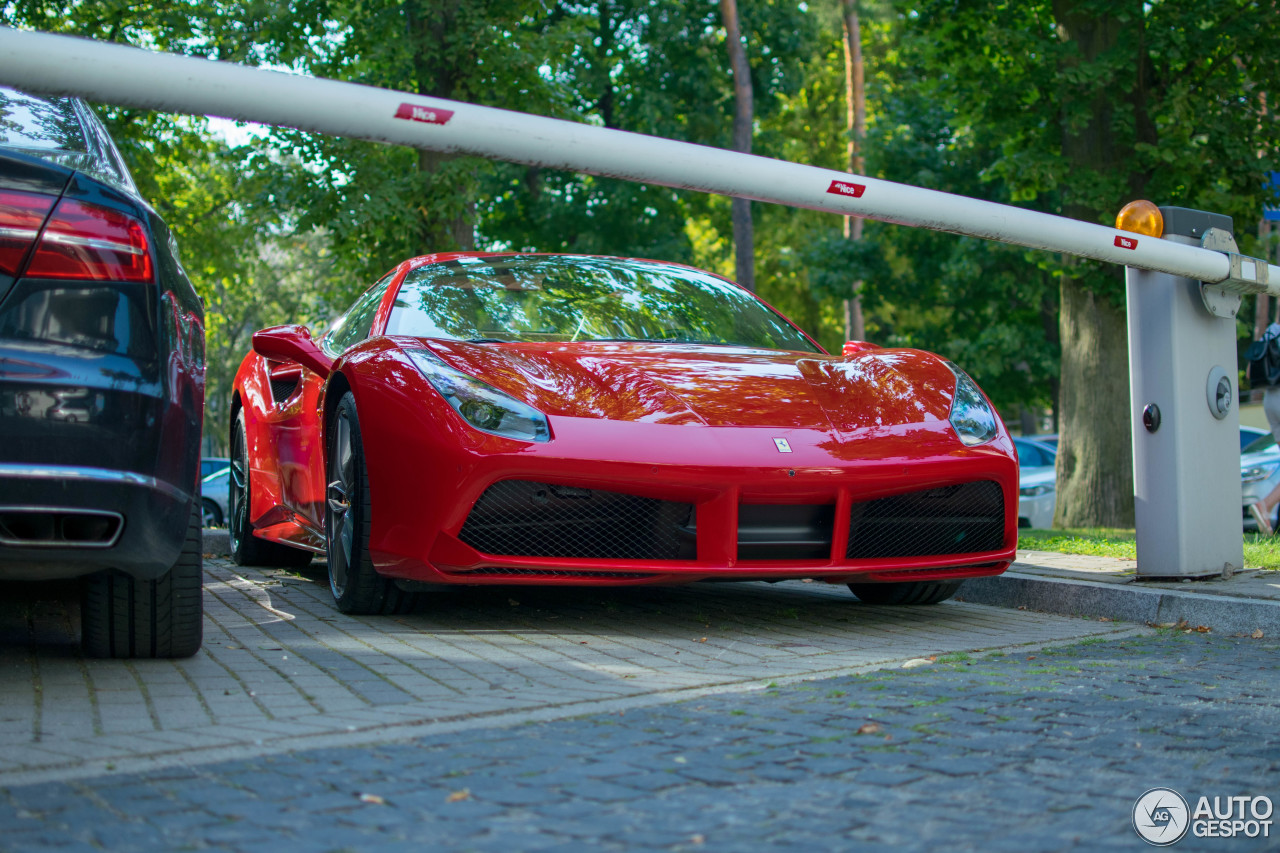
(855,347)
(292,344)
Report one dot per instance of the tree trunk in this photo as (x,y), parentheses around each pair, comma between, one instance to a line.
(443,232)
(429,26)
(1095,451)
(856,126)
(743,231)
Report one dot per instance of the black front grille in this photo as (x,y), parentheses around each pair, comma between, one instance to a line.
(554,573)
(961,519)
(520,518)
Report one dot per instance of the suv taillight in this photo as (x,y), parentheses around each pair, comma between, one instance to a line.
(21,215)
(85,241)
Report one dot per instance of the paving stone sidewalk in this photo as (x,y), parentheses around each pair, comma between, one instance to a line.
(1032,751)
(281,669)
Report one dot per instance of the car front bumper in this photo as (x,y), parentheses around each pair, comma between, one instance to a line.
(751,506)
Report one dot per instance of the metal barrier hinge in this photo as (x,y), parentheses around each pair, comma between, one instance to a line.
(1246,276)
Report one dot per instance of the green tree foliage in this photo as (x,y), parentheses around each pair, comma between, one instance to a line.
(649,67)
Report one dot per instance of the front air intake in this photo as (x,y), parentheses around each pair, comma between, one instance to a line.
(962,519)
(520,518)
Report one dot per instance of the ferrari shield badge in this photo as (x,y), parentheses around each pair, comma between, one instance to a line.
(783,445)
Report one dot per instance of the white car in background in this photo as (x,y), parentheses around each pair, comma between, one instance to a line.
(1259,474)
(1037,483)
(214,490)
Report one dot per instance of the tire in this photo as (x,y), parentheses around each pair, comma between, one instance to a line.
(919,592)
(247,549)
(210,515)
(357,587)
(121,617)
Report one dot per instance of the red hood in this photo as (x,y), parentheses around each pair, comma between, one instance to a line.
(716,386)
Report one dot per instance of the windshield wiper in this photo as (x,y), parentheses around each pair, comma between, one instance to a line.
(485,341)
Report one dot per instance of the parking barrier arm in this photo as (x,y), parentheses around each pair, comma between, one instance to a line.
(134,77)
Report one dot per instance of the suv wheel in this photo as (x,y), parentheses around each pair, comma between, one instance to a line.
(122,617)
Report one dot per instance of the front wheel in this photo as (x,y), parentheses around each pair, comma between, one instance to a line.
(918,592)
(122,617)
(356,585)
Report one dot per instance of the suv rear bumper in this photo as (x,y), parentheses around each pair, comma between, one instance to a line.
(43,534)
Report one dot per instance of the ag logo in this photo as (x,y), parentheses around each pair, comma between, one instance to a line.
(1161,817)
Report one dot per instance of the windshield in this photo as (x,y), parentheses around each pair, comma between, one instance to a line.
(561,298)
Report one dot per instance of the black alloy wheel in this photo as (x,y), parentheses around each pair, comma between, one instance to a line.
(247,549)
(356,585)
(918,592)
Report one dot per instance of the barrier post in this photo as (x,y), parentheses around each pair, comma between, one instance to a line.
(1186,424)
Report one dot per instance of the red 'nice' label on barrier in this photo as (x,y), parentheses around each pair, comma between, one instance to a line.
(430,115)
(842,188)
(1126,242)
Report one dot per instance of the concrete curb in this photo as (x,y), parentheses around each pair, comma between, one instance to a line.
(1129,602)
(217,541)
(1224,614)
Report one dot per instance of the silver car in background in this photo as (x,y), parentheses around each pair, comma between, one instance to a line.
(1037,483)
(214,490)
(1259,474)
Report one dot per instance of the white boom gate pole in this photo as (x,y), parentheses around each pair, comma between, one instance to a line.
(1174,267)
(128,76)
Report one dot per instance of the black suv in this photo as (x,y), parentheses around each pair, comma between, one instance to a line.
(101,386)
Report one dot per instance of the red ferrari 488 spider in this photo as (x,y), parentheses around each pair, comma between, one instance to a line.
(557,419)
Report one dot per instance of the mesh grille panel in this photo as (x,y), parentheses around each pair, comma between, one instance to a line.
(528,519)
(283,387)
(962,519)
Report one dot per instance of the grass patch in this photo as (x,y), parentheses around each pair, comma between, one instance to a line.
(954,657)
(1260,552)
(1089,541)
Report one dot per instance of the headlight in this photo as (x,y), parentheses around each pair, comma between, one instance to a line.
(972,417)
(484,407)
(1254,473)
(1035,491)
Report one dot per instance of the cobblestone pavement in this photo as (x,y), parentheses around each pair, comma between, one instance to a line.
(1025,751)
(282,670)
